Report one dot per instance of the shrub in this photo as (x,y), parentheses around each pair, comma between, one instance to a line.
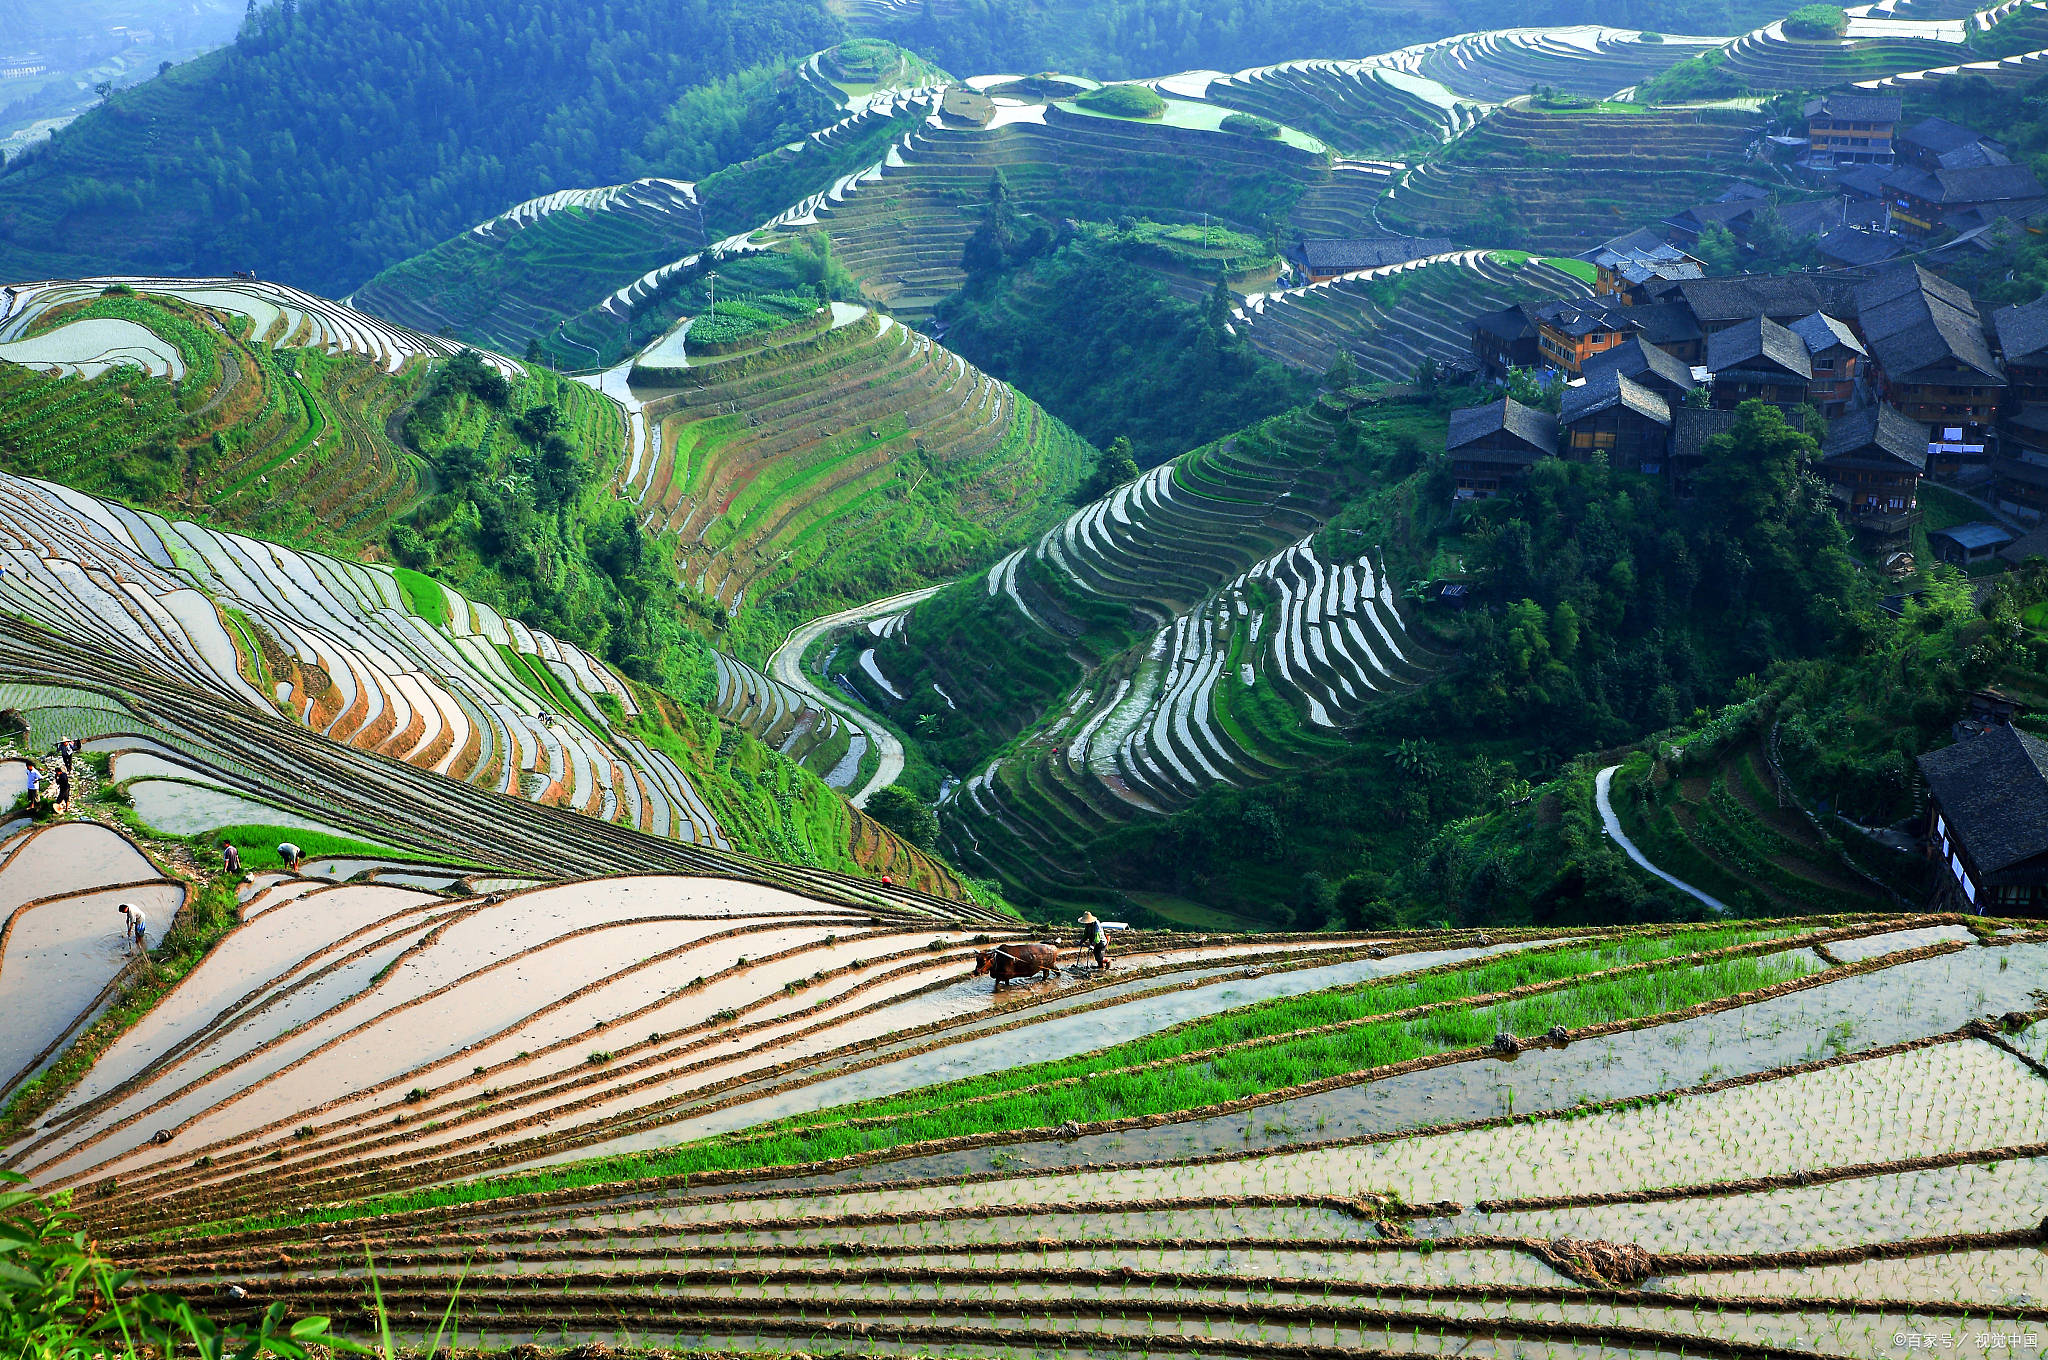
(1816,21)
(1647,36)
(1251,125)
(1124,101)
(906,814)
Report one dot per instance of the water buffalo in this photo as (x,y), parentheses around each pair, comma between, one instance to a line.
(1008,961)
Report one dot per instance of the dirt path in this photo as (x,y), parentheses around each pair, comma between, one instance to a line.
(1603,784)
(786,665)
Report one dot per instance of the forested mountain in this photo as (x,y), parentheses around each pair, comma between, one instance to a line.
(337,136)
(1151,37)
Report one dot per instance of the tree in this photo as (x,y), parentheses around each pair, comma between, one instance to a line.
(1117,467)
(1544,391)
(1342,372)
(1716,249)
(1221,303)
(105,90)
(906,814)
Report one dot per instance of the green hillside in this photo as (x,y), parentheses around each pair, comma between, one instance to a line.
(335,138)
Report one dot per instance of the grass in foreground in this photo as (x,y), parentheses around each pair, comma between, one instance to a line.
(1022,1099)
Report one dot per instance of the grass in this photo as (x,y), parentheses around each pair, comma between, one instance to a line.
(1581,270)
(423,596)
(258,844)
(1175,1070)
(1941,508)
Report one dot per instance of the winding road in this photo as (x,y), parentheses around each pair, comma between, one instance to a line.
(786,665)
(1603,783)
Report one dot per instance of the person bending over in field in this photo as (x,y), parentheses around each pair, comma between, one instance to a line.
(137,927)
(292,856)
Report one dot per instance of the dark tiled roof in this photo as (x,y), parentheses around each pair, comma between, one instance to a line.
(1811,219)
(1971,156)
(1638,262)
(1701,214)
(1938,135)
(1609,389)
(1913,320)
(1509,323)
(1875,434)
(1691,428)
(1863,181)
(1968,185)
(2033,544)
(1747,295)
(1640,359)
(1821,333)
(1666,323)
(1576,317)
(1327,253)
(1860,108)
(1993,791)
(1855,247)
(1755,342)
(2022,331)
(1642,238)
(1524,422)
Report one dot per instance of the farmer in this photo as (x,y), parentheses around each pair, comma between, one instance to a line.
(138,926)
(62,776)
(1095,938)
(35,783)
(231,859)
(291,855)
(67,751)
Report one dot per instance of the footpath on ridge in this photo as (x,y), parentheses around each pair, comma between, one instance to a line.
(1603,784)
(786,665)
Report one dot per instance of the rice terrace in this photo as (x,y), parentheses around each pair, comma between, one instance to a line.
(934,679)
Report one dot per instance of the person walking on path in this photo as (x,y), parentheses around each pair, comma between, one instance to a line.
(138,926)
(232,859)
(62,777)
(292,856)
(67,751)
(35,784)
(1095,938)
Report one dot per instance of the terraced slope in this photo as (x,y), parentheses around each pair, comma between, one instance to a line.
(584,274)
(63,946)
(1389,320)
(506,281)
(1566,180)
(1503,64)
(1260,679)
(1359,107)
(268,409)
(367,658)
(1733,834)
(385,661)
(840,467)
(1768,60)
(1715,1142)
(900,226)
(1184,631)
